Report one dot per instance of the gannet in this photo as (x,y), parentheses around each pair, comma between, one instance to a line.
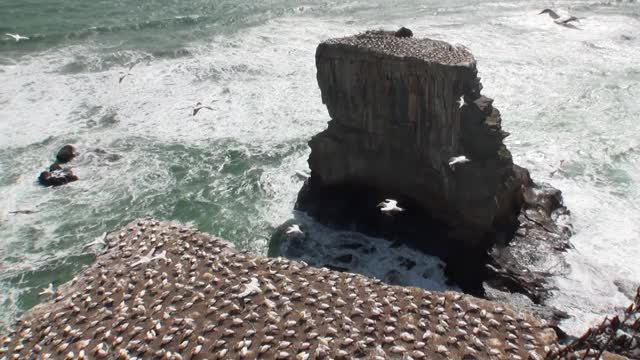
(124,75)
(303,175)
(390,207)
(457,160)
(294,230)
(199,107)
(560,20)
(48,290)
(461,101)
(17,37)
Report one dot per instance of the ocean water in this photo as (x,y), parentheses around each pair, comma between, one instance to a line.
(568,97)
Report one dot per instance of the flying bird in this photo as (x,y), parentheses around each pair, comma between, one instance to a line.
(556,170)
(17,37)
(26,212)
(124,75)
(199,107)
(560,20)
(390,207)
(457,160)
(302,175)
(48,290)
(294,230)
(461,102)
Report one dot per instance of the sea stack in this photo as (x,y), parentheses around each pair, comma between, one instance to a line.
(401,108)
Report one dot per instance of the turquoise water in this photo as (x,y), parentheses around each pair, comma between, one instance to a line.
(565,95)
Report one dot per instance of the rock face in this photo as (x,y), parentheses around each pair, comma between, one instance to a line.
(57,174)
(66,154)
(400,109)
(57,177)
(164,291)
(397,119)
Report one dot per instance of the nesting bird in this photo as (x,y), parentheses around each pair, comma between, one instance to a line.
(17,37)
(165,291)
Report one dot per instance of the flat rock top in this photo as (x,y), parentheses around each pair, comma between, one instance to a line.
(385,43)
(161,290)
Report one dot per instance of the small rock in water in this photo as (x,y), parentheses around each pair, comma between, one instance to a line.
(57,177)
(66,154)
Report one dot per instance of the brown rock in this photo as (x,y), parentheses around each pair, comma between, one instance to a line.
(57,177)
(66,154)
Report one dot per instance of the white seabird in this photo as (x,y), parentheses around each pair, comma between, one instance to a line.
(560,20)
(253,287)
(294,230)
(390,207)
(48,290)
(17,37)
(302,175)
(461,101)
(457,160)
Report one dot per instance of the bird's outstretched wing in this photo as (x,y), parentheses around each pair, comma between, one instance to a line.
(565,19)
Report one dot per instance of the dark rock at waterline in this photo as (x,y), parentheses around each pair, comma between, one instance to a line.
(403,32)
(57,177)
(400,109)
(55,166)
(66,154)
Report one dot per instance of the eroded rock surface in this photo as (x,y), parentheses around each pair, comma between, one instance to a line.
(161,290)
(400,109)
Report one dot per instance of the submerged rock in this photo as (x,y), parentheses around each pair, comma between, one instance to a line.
(161,290)
(401,108)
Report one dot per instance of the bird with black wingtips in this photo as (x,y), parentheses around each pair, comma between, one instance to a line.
(199,107)
(560,20)
(124,75)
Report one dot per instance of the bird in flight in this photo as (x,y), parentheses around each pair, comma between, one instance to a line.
(560,20)
(457,160)
(26,212)
(48,290)
(199,107)
(461,101)
(390,207)
(294,230)
(124,75)
(17,37)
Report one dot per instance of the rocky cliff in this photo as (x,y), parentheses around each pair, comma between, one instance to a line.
(401,110)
